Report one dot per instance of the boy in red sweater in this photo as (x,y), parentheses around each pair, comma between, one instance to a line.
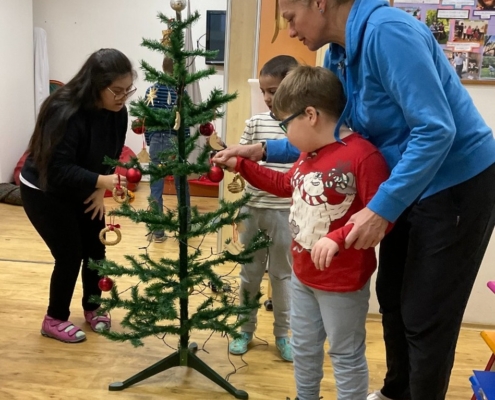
(331,181)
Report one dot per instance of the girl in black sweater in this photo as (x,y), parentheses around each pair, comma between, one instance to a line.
(64,180)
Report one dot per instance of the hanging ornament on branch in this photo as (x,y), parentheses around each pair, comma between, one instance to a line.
(166,34)
(215,174)
(151,96)
(111,227)
(177,121)
(166,37)
(178,5)
(216,143)
(206,129)
(137,126)
(143,156)
(133,175)
(121,194)
(105,284)
(237,185)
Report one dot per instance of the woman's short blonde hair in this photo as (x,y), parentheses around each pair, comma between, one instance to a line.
(307,86)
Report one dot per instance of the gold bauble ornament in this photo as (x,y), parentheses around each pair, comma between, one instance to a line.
(178,5)
(166,37)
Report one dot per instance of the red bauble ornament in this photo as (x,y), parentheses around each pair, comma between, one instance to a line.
(137,126)
(105,284)
(206,129)
(133,175)
(215,174)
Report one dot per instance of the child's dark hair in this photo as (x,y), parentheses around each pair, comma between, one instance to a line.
(309,86)
(279,66)
(168,65)
(83,91)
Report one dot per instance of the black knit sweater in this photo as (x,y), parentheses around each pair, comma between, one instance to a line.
(78,159)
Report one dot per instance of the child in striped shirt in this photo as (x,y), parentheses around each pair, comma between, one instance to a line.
(269,213)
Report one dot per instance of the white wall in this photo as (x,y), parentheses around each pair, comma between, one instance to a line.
(17,90)
(75,29)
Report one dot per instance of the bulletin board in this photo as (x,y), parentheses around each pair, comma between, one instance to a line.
(465,29)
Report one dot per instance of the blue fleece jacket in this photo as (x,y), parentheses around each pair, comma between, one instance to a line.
(405,97)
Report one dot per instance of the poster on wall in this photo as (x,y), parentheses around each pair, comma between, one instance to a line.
(465,29)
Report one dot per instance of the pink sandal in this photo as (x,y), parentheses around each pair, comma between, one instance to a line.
(99,323)
(65,331)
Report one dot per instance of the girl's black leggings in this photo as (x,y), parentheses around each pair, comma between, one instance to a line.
(73,238)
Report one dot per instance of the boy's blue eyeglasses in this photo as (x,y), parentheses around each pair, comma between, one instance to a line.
(285,123)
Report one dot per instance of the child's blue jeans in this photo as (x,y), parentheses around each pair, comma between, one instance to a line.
(159,143)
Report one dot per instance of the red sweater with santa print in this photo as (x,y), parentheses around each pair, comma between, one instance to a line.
(327,187)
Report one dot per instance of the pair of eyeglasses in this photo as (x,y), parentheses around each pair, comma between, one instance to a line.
(285,123)
(122,96)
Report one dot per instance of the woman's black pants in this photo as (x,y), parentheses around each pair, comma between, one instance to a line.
(427,267)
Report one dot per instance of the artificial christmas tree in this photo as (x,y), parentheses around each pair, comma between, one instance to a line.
(166,284)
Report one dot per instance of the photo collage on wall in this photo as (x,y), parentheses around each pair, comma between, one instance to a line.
(465,29)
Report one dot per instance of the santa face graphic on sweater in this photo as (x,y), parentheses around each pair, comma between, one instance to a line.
(311,213)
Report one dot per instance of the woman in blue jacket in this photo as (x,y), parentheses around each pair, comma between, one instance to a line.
(405,97)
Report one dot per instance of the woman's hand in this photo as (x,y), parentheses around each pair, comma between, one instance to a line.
(109,182)
(97,205)
(229,164)
(368,230)
(253,152)
(323,251)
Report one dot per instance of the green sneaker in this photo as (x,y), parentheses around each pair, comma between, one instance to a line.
(283,345)
(240,346)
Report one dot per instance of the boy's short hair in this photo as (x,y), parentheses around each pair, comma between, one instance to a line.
(279,66)
(168,65)
(307,86)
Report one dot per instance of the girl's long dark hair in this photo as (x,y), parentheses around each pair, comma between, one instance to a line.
(82,92)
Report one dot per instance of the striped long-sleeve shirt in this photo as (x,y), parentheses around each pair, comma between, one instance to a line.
(165,97)
(259,128)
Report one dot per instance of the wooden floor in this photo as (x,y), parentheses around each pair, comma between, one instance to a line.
(34,367)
